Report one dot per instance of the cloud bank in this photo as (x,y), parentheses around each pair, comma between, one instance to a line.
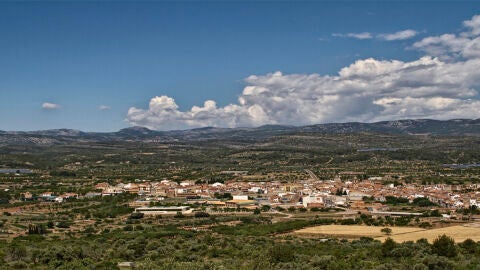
(50,106)
(441,85)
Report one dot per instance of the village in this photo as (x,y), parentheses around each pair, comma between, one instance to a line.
(344,192)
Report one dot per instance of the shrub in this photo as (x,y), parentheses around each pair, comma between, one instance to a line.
(202,214)
(386,231)
(137,215)
(179,215)
(444,246)
(469,246)
(388,246)
(37,229)
(281,253)
(425,225)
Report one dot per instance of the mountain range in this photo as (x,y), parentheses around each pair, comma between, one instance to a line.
(455,127)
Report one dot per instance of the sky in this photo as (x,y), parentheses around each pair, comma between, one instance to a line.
(106,65)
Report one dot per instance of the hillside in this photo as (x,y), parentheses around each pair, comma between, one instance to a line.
(456,127)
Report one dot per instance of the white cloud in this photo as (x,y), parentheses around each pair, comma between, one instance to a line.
(104,108)
(464,45)
(363,35)
(367,90)
(473,25)
(400,35)
(50,106)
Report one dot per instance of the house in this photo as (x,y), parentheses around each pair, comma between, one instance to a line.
(313,201)
(240,197)
(131,188)
(27,196)
(112,191)
(356,195)
(164,210)
(144,188)
(240,203)
(102,186)
(216,203)
(69,195)
(46,194)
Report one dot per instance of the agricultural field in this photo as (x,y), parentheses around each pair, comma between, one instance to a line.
(459,233)
(355,231)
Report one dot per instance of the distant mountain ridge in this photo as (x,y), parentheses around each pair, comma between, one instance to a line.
(457,127)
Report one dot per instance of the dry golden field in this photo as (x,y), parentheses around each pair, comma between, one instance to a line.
(460,233)
(399,234)
(355,231)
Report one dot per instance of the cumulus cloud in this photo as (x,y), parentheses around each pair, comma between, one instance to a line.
(50,106)
(363,35)
(465,45)
(104,108)
(367,90)
(400,35)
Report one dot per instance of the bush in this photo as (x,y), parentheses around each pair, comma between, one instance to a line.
(63,224)
(137,215)
(388,246)
(37,229)
(386,231)
(425,225)
(179,215)
(423,202)
(281,253)
(444,246)
(202,214)
(469,246)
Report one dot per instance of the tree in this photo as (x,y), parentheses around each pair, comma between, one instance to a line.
(179,215)
(4,197)
(281,253)
(444,246)
(425,225)
(388,246)
(37,229)
(386,231)
(17,251)
(469,246)
(136,215)
(256,211)
(423,202)
(202,214)
(266,208)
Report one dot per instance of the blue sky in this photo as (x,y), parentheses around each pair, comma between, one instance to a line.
(61,61)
